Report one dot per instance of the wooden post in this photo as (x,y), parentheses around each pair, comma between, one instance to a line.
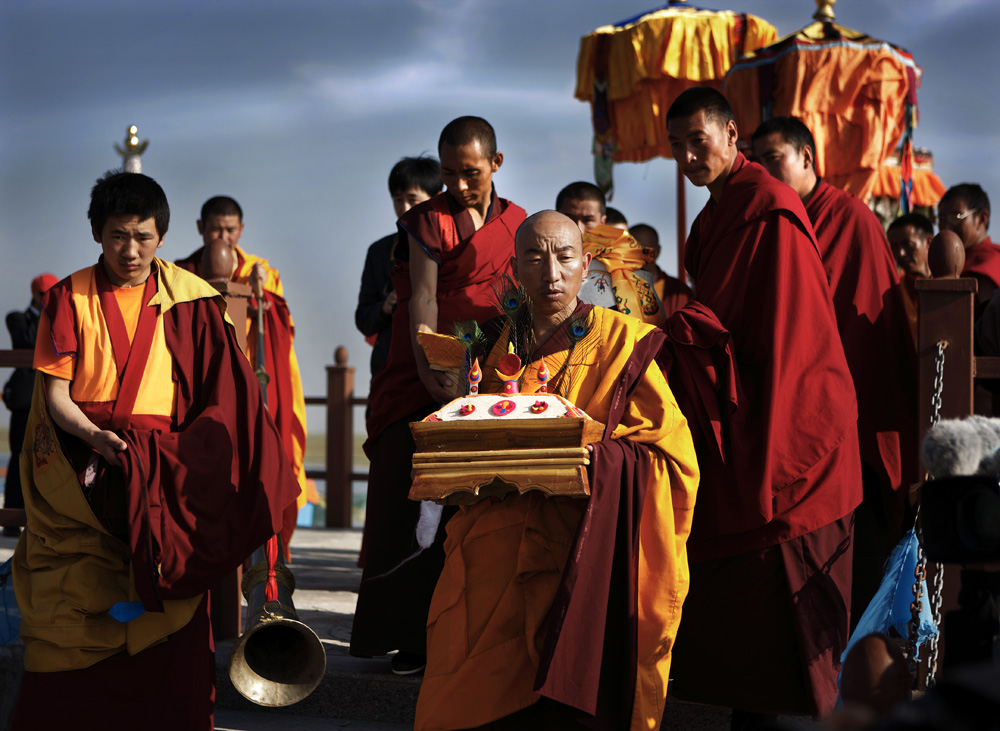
(237,297)
(946,309)
(339,440)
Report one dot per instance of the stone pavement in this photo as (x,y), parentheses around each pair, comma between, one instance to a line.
(355,694)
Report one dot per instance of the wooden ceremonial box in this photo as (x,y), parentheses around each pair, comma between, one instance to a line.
(462,462)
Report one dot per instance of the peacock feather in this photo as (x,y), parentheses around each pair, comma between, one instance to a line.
(578,328)
(512,301)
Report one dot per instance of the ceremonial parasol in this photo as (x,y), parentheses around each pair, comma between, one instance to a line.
(631,72)
(857,95)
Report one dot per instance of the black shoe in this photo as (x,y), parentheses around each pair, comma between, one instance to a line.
(408,663)
(12,531)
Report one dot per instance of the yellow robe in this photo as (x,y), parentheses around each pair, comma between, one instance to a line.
(505,557)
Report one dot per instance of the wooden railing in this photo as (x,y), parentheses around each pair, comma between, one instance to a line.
(339,472)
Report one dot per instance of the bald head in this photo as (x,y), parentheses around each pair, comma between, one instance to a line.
(550,263)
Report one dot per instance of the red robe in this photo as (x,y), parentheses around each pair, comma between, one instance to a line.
(392,606)
(775,502)
(873,325)
(793,463)
(983,261)
(673,293)
(469,261)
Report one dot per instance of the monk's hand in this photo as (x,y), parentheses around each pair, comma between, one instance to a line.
(441,388)
(390,303)
(108,444)
(258,275)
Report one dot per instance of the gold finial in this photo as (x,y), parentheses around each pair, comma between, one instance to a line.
(824,10)
(133,150)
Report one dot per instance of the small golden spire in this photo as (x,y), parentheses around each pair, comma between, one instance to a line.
(824,10)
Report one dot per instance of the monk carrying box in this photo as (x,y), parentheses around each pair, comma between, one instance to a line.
(551,611)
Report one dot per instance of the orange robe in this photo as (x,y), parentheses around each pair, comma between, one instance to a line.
(505,557)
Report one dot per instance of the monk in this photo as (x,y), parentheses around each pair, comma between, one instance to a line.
(512,641)
(222,223)
(584,203)
(909,237)
(965,210)
(673,293)
(618,277)
(456,244)
(871,319)
(767,614)
(151,470)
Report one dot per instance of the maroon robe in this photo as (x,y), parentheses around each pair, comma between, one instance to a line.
(789,475)
(873,325)
(983,261)
(469,261)
(394,598)
(793,465)
(278,358)
(673,293)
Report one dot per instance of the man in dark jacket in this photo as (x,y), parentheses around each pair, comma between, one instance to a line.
(23,327)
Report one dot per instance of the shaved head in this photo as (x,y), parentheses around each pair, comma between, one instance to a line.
(545,223)
(550,264)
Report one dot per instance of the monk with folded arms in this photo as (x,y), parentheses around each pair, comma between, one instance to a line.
(151,470)
(767,616)
(560,612)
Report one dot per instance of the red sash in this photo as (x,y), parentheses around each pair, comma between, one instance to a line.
(130,369)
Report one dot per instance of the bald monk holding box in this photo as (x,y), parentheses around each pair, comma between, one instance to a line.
(534,588)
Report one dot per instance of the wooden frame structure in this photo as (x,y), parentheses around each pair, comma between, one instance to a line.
(947,308)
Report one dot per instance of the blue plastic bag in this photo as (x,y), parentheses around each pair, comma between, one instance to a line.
(10,615)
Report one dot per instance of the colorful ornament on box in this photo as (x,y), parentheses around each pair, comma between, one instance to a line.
(509,370)
(475,376)
(503,407)
(543,377)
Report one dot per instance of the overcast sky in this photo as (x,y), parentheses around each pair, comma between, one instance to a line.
(299,108)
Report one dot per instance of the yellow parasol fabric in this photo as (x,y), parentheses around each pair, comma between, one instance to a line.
(857,95)
(632,71)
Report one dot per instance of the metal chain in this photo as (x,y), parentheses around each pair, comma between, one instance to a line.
(938,382)
(920,572)
(937,585)
(916,606)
